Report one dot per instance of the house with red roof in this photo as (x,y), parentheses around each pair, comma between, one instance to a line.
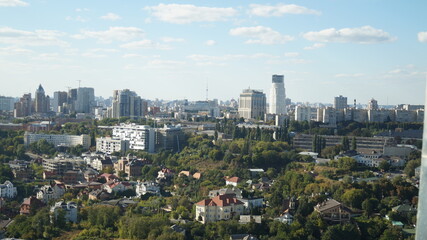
(232,181)
(222,207)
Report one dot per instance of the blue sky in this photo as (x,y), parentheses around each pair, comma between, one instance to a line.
(173,49)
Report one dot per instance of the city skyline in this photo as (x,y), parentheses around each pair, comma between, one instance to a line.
(360,50)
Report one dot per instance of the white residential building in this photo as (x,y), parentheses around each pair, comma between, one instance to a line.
(140,137)
(109,145)
(69,208)
(222,207)
(48,192)
(143,188)
(58,139)
(7,190)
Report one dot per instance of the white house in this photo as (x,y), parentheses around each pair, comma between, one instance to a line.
(48,192)
(7,190)
(143,188)
(222,207)
(70,210)
(285,218)
(232,181)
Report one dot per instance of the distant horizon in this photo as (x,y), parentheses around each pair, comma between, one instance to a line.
(357,49)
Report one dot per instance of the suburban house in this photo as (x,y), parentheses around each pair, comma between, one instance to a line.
(143,188)
(29,205)
(286,218)
(234,190)
(222,207)
(332,210)
(48,192)
(232,181)
(70,210)
(7,190)
(164,173)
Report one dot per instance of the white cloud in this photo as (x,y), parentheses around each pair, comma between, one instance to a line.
(315,46)
(111,17)
(349,75)
(362,35)
(187,13)
(279,10)
(146,43)
(291,54)
(82,10)
(14,51)
(99,52)
(170,39)
(26,38)
(261,35)
(210,42)
(131,55)
(112,34)
(77,19)
(13,3)
(207,60)
(422,37)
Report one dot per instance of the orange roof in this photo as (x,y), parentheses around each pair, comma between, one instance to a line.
(233,179)
(186,173)
(197,175)
(221,201)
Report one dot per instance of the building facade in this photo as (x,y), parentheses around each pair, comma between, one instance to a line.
(109,145)
(127,103)
(222,207)
(7,190)
(252,104)
(58,139)
(277,95)
(140,137)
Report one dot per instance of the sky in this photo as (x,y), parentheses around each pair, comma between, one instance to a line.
(177,49)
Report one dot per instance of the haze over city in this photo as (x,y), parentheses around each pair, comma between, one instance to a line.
(173,50)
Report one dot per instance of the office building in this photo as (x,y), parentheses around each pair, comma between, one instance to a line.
(127,103)
(277,95)
(252,104)
(340,102)
(169,138)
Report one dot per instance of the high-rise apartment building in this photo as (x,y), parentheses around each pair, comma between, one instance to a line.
(278,95)
(24,107)
(59,98)
(373,104)
(340,102)
(6,103)
(41,101)
(252,104)
(85,100)
(127,103)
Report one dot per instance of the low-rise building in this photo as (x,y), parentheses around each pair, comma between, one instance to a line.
(110,145)
(69,209)
(58,140)
(143,188)
(286,218)
(334,211)
(49,192)
(7,190)
(30,204)
(222,207)
(232,181)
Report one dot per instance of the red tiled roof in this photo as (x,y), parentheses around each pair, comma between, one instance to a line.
(221,201)
(233,179)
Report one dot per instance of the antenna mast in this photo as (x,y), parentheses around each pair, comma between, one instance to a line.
(79,82)
(207,90)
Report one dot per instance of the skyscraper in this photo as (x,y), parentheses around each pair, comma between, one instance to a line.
(127,103)
(340,102)
(277,95)
(252,104)
(373,104)
(85,100)
(24,107)
(41,101)
(59,98)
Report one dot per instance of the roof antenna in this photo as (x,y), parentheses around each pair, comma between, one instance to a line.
(79,82)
